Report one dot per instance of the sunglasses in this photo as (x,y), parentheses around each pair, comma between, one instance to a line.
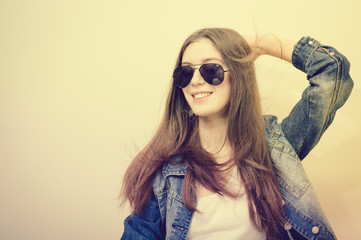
(212,73)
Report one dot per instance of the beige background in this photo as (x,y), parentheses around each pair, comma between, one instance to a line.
(82,86)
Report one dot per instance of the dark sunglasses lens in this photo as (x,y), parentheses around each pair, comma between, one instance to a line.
(212,73)
(182,76)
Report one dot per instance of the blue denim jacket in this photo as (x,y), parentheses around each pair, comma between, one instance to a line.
(166,216)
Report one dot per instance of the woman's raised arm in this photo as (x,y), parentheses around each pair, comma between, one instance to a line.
(329,87)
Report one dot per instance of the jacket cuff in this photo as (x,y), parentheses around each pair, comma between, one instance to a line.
(303,51)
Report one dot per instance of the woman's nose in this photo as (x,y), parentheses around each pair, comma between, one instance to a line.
(197,78)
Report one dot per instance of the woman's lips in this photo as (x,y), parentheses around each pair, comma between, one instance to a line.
(201,95)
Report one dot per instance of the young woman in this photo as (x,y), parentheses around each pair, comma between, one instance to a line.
(217,168)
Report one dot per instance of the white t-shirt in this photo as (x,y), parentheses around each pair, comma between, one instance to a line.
(222,217)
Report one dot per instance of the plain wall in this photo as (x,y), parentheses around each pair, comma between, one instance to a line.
(82,87)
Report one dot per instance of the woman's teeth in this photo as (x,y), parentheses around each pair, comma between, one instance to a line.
(201,95)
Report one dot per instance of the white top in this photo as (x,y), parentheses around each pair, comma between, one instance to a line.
(222,217)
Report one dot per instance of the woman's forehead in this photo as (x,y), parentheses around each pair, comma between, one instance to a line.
(201,51)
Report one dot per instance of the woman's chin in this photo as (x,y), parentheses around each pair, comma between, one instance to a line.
(208,114)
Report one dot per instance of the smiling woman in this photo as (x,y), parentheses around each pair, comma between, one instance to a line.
(206,100)
(214,152)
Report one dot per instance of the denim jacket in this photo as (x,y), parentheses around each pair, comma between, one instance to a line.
(166,216)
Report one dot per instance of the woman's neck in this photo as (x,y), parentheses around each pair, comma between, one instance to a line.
(213,136)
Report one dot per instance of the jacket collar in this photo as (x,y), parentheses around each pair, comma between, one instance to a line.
(177,167)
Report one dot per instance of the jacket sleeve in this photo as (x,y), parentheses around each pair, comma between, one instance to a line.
(330,85)
(145,225)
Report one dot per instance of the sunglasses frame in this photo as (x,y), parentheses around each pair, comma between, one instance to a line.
(181,83)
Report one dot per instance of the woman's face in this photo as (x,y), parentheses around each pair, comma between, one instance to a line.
(206,100)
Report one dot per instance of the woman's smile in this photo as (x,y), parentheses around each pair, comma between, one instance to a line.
(201,95)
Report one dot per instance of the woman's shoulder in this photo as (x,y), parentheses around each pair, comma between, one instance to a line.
(271,125)
(274,133)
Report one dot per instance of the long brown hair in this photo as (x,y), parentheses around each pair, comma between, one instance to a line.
(178,134)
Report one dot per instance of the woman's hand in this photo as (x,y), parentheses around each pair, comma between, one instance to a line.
(252,42)
(271,45)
